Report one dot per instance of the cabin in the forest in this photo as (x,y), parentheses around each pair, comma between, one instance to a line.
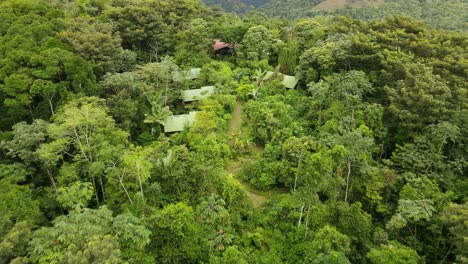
(222,48)
(288,81)
(189,96)
(177,123)
(192,74)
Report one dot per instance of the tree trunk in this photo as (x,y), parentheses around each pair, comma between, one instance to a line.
(126,192)
(51,107)
(102,188)
(167,88)
(295,181)
(347,180)
(52,180)
(307,222)
(141,186)
(95,189)
(300,216)
(31,112)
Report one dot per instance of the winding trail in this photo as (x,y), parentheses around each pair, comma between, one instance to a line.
(236,120)
(235,167)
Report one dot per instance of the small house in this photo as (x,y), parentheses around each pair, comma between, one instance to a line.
(288,81)
(197,94)
(177,123)
(222,48)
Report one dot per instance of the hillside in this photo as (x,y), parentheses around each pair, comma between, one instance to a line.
(330,5)
(239,6)
(439,14)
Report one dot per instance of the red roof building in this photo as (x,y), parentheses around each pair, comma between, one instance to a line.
(220,45)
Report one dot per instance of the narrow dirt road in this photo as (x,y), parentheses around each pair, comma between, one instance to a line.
(235,167)
(236,118)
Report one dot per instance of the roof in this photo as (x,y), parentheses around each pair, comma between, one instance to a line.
(197,94)
(287,80)
(290,81)
(218,45)
(177,123)
(192,74)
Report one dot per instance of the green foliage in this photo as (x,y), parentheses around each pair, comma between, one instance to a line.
(456,216)
(194,44)
(288,57)
(95,42)
(393,253)
(273,120)
(421,97)
(372,137)
(17,205)
(14,243)
(78,194)
(255,47)
(176,236)
(87,235)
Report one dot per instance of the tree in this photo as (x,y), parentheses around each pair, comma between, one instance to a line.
(410,214)
(14,243)
(322,60)
(132,171)
(95,42)
(216,223)
(288,57)
(176,235)
(393,253)
(193,44)
(456,217)
(158,114)
(78,194)
(83,130)
(273,120)
(17,205)
(420,99)
(25,143)
(141,26)
(307,32)
(88,236)
(165,74)
(255,46)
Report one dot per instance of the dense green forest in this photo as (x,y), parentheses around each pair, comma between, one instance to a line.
(328,139)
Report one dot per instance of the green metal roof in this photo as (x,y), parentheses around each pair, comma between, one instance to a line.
(177,123)
(197,94)
(287,80)
(192,74)
(268,76)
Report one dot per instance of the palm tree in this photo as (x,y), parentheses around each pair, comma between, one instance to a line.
(258,77)
(158,112)
(255,93)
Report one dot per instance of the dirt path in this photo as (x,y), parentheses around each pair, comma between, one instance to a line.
(236,120)
(235,167)
(257,200)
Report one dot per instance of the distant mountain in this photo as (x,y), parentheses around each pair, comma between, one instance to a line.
(239,6)
(330,5)
(289,8)
(443,14)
